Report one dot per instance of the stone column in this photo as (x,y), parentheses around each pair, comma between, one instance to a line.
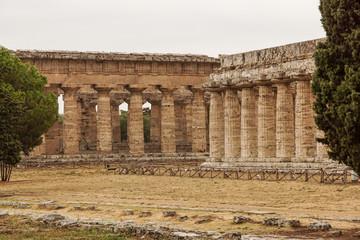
(198,121)
(284,121)
(180,125)
(216,129)
(168,144)
(115,126)
(232,124)
(135,130)
(266,123)
(71,132)
(305,145)
(104,130)
(155,122)
(249,148)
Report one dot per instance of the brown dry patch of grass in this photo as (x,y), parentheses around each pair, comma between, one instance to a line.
(93,185)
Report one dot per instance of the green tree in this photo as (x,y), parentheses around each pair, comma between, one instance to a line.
(123,125)
(146,123)
(27,112)
(336,82)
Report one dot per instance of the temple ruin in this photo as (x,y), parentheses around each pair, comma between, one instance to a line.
(260,105)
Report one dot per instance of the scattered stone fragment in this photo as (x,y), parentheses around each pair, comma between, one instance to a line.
(241,219)
(21,205)
(357,234)
(128,212)
(232,236)
(52,217)
(77,208)
(337,233)
(50,205)
(91,208)
(319,226)
(281,222)
(184,235)
(203,220)
(169,213)
(145,214)
(4,214)
(183,218)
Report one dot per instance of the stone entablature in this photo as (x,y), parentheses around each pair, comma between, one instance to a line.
(263,65)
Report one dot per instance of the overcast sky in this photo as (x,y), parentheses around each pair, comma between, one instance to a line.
(208,27)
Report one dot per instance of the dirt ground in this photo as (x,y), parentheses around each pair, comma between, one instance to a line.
(114,193)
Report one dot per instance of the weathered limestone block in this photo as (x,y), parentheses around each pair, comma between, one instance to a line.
(266,123)
(135,122)
(168,144)
(104,130)
(319,226)
(72,120)
(305,145)
(249,146)
(155,122)
(216,126)
(232,124)
(241,219)
(198,122)
(169,213)
(284,122)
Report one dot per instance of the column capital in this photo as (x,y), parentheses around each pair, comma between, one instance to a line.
(66,87)
(195,88)
(135,88)
(103,87)
(166,88)
(302,77)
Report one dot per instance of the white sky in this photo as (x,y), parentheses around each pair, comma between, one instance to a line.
(208,27)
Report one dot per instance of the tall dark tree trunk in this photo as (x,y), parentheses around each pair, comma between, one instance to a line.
(6,170)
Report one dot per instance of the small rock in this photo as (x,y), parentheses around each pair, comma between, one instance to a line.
(77,208)
(241,219)
(281,222)
(319,226)
(183,218)
(271,221)
(21,205)
(169,213)
(334,233)
(128,212)
(184,235)
(357,234)
(50,205)
(233,236)
(91,208)
(52,217)
(4,214)
(203,220)
(145,214)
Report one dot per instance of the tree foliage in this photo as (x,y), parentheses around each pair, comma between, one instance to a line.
(336,82)
(26,112)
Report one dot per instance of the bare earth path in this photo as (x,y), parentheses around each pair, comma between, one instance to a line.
(149,192)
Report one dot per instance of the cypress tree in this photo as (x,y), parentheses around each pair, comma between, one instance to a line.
(336,81)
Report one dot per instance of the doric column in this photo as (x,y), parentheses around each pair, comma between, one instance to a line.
(305,145)
(180,125)
(216,129)
(135,130)
(198,121)
(232,123)
(168,144)
(115,126)
(266,122)
(104,130)
(284,121)
(155,122)
(71,132)
(249,148)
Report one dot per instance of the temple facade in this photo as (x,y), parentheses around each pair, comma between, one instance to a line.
(261,109)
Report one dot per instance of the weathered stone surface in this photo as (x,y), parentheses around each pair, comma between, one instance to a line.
(145,214)
(337,233)
(319,226)
(216,129)
(52,217)
(357,234)
(50,205)
(183,218)
(184,235)
(198,116)
(249,129)
(241,219)
(169,213)
(128,212)
(168,144)
(281,222)
(204,220)
(4,214)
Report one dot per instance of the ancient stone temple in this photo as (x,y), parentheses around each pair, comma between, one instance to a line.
(261,109)
(93,86)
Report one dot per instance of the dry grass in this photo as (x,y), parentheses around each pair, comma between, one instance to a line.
(93,185)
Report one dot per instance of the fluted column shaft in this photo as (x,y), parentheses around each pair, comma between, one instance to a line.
(198,122)
(71,131)
(104,129)
(284,122)
(305,145)
(135,128)
(155,122)
(266,123)
(216,128)
(232,124)
(168,138)
(248,123)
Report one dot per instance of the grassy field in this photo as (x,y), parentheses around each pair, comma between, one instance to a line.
(153,192)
